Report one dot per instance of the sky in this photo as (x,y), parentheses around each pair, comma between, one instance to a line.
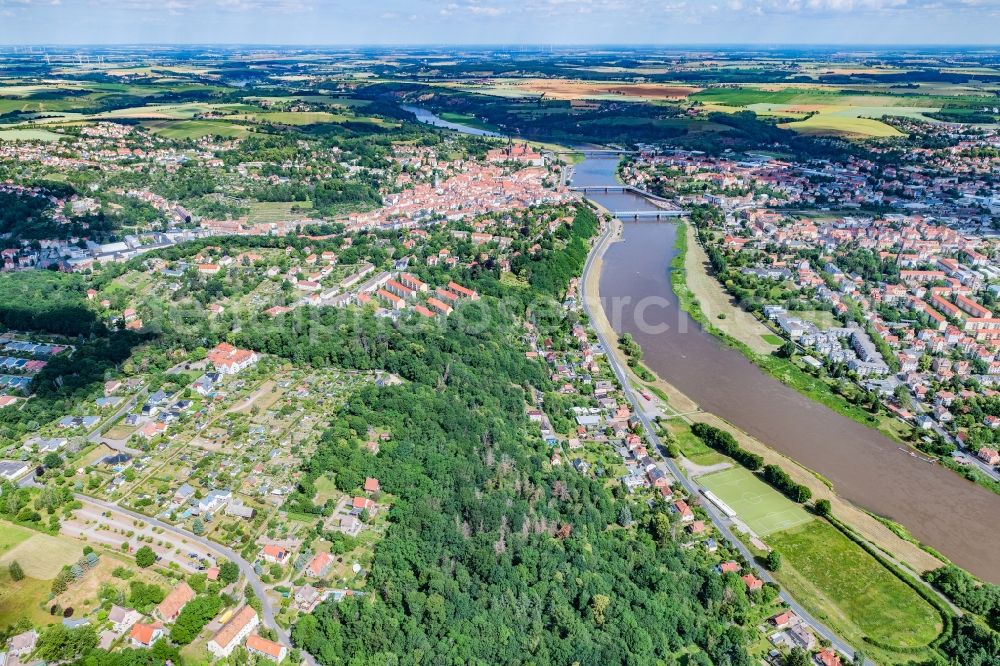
(500,22)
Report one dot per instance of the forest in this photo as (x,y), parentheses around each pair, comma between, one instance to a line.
(492,556)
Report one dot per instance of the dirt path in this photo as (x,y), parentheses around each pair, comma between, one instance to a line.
(714,300)
(694,469)
(906,553)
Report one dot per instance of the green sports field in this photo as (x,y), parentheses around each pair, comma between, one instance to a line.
(760,506)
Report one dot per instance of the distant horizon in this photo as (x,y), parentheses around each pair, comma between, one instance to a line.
(693,23)
(527,46)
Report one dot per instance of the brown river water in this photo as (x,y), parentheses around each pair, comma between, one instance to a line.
(941,509)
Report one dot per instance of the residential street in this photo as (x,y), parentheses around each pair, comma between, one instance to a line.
(267,609)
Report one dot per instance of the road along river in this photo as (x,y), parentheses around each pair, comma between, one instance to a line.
(941,509)
(958,518)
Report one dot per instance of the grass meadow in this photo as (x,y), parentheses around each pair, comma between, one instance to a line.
(844,586)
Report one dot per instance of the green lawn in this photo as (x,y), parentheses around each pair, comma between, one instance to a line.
(691,446)
(466,119)
(11,535)
(325,489)
(772,339)
(759,505)
(21,599)
(843,585)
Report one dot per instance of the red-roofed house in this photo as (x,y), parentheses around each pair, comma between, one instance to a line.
(782,620)
(319,566)
(827,657)
(731,566)
(174,602)
(462,291)
(144,635)
(229,360)
(753,583)
(234,632)
(276,652)
(989,456)
(372,485)
(274,554)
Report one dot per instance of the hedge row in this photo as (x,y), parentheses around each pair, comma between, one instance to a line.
(779,478)
(724,443)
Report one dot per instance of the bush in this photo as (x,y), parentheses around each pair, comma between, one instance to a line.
(16,572)
(145,557)
(229,572)
(194,617)
(773,561)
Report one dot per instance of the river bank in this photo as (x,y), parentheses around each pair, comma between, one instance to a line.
(705,379)
(871,529)
(865,467)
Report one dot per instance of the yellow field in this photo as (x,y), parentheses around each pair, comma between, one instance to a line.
(842,126)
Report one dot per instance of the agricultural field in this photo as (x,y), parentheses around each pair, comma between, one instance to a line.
(275,211)
(303,118)
(184,111)
(846,126)
(846,587)
(195,129)
(834,111)
(28,135)
(569,89)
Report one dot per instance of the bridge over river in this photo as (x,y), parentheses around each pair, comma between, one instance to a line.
(634,204)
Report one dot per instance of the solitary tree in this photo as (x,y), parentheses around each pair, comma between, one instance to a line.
(797,657)
(145,557)
(773,561)
(16,572)
(229,572)
(823,508)
(786,350)
(625,516)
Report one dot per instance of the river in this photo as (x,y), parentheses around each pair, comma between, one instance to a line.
(425,116)
(940,508)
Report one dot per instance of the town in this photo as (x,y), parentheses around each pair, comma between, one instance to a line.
(325,356)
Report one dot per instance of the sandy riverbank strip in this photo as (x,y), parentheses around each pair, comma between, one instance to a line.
(714,300)
(868,527)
